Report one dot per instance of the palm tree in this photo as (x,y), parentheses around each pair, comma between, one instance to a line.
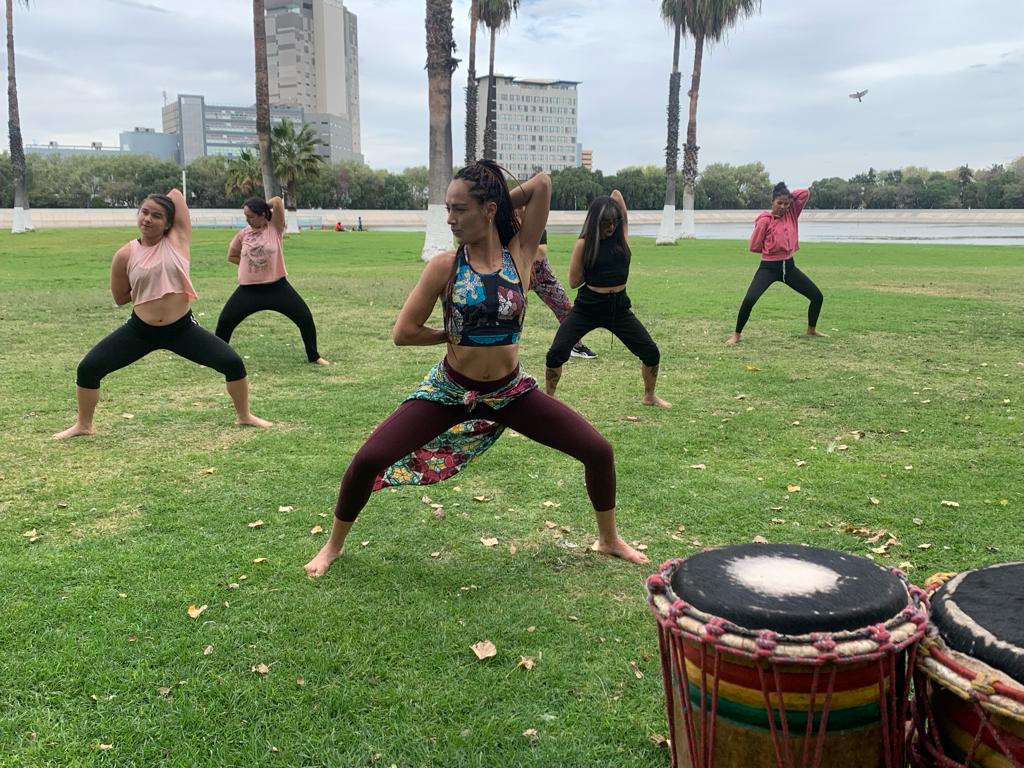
(472,88)
(22,219)
(495,14)
(295,159)
(245,174)
(672,13)
(705,20)
(440,66)
(259,27)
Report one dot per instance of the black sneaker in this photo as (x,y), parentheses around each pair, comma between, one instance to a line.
(583,351)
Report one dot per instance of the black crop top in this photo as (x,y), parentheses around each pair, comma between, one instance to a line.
(609,269)
(485,310)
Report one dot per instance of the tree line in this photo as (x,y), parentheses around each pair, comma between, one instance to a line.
(122,181)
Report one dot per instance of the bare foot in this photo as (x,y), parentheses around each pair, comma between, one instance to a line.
(321,361)
(75,430)
(619,548)
(253,421)
(734,339)
(318,566)
(816,332)
(655,400)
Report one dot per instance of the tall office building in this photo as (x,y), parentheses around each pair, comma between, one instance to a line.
(536,124)
(313,60)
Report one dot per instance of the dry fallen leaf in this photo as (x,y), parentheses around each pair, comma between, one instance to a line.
(874,538)
(874,500)
(531,734)
(512,549)
(550,524)
(792,488)
(261,559)
(636,670)
(195,613)
(953,504)
(778,520)
(435,554)
(207,650)
(917,521)
(481,498)
(905,565)
(163,691)
(527,662)
(698,466)
(209,471)
(255,524)
(759,540)
(550,504)
(300,680)
(796,423)
(285,509)
(364,543)
(740,397)
(658,740)
(30,534)
(531,629)
(316,529)
(842,447)
(752,368)
(484,649)
(632,418)
(799,462)
(105,747)
(260,669)
(924,546)
(489,542)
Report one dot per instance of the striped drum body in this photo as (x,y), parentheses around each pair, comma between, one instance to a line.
(777,656)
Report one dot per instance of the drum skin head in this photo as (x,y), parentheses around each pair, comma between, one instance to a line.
(790,589)
(981,614)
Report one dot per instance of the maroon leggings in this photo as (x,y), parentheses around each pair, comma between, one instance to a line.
(535,415)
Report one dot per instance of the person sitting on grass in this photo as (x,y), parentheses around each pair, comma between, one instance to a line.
(599,267)
(263,284)
(478,388)
(151,272)
(775,237)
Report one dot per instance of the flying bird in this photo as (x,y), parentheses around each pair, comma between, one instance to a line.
(858,94)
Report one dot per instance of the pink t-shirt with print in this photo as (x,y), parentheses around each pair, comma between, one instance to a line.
(262,259)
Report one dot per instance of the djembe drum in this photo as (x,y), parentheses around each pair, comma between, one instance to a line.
(782,655)
(969,680)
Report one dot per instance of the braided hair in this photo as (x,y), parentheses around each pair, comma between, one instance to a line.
(487,184)
(168,207)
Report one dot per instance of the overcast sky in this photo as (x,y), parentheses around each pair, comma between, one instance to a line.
(946,77)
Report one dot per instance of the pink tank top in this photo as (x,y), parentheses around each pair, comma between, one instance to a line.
(157,270)
(262,256)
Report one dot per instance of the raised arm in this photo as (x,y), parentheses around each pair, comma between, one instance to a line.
(410,327)
(235,248)
(181,230)
(120,288)
(798,199)
(576,265)
(757,236)
(535,195)
(617,198)
(277,219)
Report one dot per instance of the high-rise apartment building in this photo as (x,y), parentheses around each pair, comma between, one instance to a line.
(313,60)
(536,124)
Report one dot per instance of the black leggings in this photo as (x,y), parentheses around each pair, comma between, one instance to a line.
(136,339)
(278,296)
(602,310)
(785,271)
(535,415)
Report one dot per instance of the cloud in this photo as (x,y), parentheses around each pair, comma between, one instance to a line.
(934,63)
(142,6)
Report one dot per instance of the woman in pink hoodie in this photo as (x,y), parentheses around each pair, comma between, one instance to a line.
(775,238)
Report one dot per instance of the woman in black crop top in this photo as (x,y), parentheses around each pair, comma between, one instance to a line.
(600,268)
(478,388)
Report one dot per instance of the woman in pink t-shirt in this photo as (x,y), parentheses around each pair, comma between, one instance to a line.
(262,279)
(151,272)
(775,237)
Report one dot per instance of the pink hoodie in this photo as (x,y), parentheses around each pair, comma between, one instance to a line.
(775,238)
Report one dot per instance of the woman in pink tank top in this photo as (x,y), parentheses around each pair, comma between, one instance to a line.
(151,272)
(262,279)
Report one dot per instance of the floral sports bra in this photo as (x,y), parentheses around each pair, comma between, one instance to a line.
(485,310)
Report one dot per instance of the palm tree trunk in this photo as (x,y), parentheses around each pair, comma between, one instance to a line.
(440,65)
(259,27)
(690,148)
(22,219)
(491,124)
(667,230)
(472,89)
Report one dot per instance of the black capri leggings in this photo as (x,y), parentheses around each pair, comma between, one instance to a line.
(602,310)
(783,271)
(278,296)
(136,339)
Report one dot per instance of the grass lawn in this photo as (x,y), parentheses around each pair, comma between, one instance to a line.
(915,399)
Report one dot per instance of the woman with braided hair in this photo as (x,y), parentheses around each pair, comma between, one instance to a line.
(775,237)
(467,399)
